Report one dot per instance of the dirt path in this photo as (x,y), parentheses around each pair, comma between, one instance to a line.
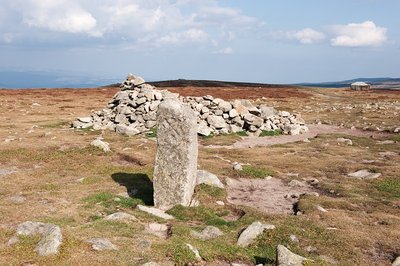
(314,130)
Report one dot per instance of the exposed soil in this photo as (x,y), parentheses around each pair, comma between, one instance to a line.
(270,196)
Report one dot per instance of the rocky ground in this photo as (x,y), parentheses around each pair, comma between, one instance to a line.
(331,196)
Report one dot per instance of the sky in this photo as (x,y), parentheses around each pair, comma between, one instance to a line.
(237,40)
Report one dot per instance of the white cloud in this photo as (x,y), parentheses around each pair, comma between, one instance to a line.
(226,50)
(306,36)
(138,24)
(58,15)
(177,38)
(365,34)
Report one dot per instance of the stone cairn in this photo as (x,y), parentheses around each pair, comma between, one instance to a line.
(133,110)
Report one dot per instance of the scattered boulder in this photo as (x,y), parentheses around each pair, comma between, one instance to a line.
(210,232)
(51,236)
(156,212)
(100,244)
(99,143)
(205,177)
(252,232)
(121,216)
(284,257)
(364,174)
(175,169)
(161,230)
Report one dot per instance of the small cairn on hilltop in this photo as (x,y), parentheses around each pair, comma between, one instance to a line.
(133,110)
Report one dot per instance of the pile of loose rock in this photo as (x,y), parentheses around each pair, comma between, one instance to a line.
(133,110)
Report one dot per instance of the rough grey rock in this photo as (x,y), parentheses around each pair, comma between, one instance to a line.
(344,140)
(50,241)
(161,230)
(364,174)
(205,177)
(396,262)
(210,232)
(284,257)
(252,232)
(267,112)
(237,166)
(175,169)
(100,244)
(121,216)
(195,251)
(156,212)
(215,121)
(203,129)
(99,143)
(51,236)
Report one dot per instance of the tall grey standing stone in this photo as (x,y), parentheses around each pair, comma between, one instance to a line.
(175,167)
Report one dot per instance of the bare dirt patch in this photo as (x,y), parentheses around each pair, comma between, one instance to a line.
(270,196)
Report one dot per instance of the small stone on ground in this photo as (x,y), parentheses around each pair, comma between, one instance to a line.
(210,232)
(121,216)
(287,258)
(156,212)
(252,232)
(364,174)
(100,244)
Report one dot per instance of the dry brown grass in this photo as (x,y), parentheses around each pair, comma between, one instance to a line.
(362,225)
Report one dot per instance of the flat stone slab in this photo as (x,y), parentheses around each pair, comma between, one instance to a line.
(364,174)
(121,216)
(51,236)
(100,244)
(156,212)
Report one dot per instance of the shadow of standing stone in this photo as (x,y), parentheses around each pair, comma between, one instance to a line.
(138,186)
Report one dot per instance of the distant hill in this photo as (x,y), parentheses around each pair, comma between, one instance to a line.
(213,83)
(378,83)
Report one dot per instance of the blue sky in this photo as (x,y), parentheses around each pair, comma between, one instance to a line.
(240,40)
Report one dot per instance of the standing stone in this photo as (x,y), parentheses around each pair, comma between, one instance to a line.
(175,169)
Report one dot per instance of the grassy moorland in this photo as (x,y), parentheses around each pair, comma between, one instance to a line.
(49,173)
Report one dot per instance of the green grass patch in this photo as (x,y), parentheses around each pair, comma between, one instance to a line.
(242,133)
(108,200)
(212,191)
(200,214)
(152,133)
(270,133)
(389,186)
(91,180)
(253,172)
(396,137)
